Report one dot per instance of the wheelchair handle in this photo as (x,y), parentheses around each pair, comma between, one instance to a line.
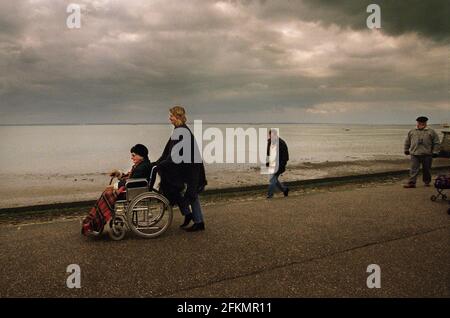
(152,178)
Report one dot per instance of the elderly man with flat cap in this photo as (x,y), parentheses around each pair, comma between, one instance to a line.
(422,143)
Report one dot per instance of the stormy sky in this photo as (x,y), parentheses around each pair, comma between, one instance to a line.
(225,61)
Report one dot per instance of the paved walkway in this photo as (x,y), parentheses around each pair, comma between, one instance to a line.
(307,245)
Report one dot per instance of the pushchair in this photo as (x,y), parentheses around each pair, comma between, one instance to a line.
(141,209)
(441,184)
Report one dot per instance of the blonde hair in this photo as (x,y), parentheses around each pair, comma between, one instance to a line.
(180,114)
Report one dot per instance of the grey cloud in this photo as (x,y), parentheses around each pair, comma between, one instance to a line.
(428,18)
(236,60)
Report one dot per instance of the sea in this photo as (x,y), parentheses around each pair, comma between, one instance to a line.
(90,149)
(44,164)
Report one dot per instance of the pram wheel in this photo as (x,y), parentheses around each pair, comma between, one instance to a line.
(149,215)
(433,198)
(444,197)
(117,228)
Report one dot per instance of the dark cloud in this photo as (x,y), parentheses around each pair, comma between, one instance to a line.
(225,60)
(428,18)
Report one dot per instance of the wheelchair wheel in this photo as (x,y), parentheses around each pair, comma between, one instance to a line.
(149,215)
(117,228)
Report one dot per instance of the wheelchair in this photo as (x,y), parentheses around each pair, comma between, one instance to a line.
(143,210)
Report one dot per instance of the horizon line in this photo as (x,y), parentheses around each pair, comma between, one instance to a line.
(207,123)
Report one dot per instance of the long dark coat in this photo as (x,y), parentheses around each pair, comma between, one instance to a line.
(174,176)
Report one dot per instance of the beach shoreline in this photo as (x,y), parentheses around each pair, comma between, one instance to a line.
(214,195)
(316,151)
(32,189)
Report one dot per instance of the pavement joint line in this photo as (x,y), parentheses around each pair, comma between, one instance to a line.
(220,202)
(312,259)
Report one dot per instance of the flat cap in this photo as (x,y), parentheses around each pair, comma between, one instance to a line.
(422,119)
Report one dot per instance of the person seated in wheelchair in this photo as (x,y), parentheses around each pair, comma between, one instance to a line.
(141,169)
(103,210)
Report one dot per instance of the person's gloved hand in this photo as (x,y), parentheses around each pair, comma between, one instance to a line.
(407,152)
(115,173)
(435,155)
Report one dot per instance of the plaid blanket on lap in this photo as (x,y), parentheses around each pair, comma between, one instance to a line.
(101,212)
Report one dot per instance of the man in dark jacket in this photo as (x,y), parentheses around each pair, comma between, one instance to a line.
(278,156)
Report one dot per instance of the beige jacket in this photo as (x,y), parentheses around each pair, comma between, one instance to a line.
(422,142)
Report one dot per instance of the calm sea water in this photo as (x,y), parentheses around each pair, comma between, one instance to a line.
(98,148)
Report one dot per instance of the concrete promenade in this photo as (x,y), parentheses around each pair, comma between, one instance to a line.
(315,243)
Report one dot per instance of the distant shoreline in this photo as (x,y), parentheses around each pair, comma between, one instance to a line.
(206,123)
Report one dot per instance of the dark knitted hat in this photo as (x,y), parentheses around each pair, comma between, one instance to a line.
(140,150)
(422,119)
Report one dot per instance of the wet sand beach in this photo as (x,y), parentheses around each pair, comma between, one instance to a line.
(37,189)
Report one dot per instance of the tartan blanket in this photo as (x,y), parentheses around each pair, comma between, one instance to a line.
(101,212)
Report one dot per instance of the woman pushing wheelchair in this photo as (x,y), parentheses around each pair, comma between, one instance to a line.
(133,203)
(183,181)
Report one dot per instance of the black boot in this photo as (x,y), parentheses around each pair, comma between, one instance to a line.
(187,219)
(286,192)
(196,227)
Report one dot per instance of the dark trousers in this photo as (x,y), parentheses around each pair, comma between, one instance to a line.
(194,208)
(275,183)
(416,162)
